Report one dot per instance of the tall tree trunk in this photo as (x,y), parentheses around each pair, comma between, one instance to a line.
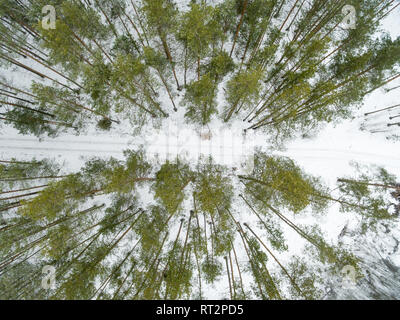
(277,261)
(229,277)
(288,15)
(367,183)
(27,108)
(388,108)
(238,26)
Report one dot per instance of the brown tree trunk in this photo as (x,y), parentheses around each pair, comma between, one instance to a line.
(238,27)
(277,261)
(229,277)
(367,183)
(27,108)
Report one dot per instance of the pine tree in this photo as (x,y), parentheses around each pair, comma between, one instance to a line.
(370,195)
(171,181)
(131,228)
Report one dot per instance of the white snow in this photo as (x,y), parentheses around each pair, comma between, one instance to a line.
(327,154)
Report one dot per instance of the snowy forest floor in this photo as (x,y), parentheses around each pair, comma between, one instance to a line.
(326,154)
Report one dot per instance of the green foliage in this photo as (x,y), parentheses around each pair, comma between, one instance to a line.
(367,194)
(220,65)
(213,188)
(212,270)
(104,124)
(160,21)
(244,88)
(123,178)
(306,280)
(58,198)
(111,227)
(199,29)
(281,183)
(96,78)
(171,181)
(200,99)
(27,123)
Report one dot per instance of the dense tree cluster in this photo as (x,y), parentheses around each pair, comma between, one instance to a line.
(285,66)
(107,242)
(140,229)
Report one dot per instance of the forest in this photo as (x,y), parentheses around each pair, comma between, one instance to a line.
(143,228)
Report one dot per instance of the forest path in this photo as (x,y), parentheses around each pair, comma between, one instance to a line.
(105,146)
